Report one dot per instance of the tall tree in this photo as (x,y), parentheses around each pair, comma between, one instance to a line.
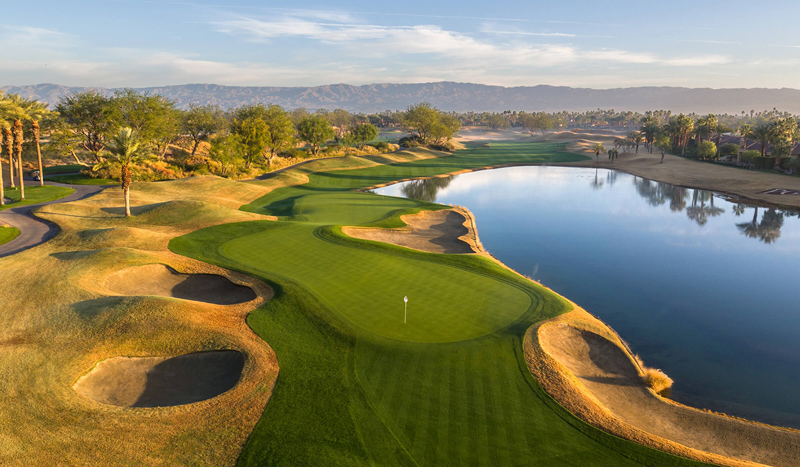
(683,126)
(420,118)
(8,144)
(35,111)
(253,134)
(14,109)
(281,131)
(363,134)
(664,144)
(127,150)
(88,114)
(764,135)
(783,133)
(342,121)
(745,131)
(227,151)
(152,117)
(650,130)
(200,122)
(315,130)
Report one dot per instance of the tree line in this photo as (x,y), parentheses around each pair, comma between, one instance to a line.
(131,134)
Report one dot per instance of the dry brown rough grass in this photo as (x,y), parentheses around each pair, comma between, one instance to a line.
(62,321)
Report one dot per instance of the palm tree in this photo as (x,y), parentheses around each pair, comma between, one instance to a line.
(745,131)
(650,130)
(18,139)
(35,111)
(750,229)
(769,230)
(598,149)
(763,134)
(126,150)
(636,138)
(8,143)
(684,126)
(15,108)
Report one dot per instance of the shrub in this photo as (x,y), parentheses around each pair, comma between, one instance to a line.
(296,153)
(408,142)
(728,149)
(656,380)
(706,150)
(381,146)
(750,156)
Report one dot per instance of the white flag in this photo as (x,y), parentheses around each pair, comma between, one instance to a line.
(405,299)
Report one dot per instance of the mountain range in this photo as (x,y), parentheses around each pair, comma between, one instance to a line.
(459,97)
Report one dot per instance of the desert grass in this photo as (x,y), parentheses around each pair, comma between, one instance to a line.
(62,321)
(657,380)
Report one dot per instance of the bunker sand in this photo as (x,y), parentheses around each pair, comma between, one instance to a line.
(445,231)
(159,279)
(162,381)
(586,367)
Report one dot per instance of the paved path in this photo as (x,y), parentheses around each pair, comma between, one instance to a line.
(33,230)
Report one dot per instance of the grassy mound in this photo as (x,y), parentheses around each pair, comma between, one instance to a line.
(359,387)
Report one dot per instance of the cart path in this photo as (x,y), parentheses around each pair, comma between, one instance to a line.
(33,230)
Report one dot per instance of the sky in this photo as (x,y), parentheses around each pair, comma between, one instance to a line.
(608,44)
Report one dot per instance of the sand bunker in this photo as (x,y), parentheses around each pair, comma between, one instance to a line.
(158,279)
(432,231)
(611,377)
(161,381)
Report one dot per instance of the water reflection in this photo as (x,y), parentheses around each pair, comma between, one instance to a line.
(597,183)
(702,208)
(768,230)
(427,189)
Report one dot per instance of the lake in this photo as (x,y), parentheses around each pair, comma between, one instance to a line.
(699,285)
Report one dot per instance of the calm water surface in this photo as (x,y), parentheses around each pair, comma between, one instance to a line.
(701,287)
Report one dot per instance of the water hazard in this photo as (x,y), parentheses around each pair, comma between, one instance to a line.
(701,286)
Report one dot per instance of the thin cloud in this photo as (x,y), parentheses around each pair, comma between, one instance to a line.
(431,39)
(703,41)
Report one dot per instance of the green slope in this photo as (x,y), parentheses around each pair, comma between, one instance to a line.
(356,386)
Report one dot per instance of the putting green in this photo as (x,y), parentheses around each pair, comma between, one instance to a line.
(446,303)
(356,385)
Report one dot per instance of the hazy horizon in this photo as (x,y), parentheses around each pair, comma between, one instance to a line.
(140,43)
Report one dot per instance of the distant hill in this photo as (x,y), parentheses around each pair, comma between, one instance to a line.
(459,97)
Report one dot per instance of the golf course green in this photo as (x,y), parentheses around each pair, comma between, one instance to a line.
(35,194)
(8,233)
(357,386)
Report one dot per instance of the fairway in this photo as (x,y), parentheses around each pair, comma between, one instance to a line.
(356,385)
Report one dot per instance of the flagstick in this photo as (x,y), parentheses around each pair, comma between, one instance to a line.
(405,312)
